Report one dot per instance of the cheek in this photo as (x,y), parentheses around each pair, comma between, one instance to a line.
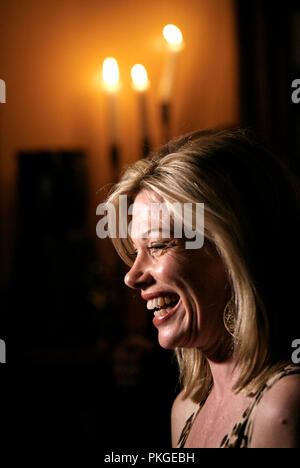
(204,282)
(205,269)
(197,274)
(168,271)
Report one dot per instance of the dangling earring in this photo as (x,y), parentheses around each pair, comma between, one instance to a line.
(228,319)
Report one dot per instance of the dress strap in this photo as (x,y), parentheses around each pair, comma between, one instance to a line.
(241,434)
(189,422)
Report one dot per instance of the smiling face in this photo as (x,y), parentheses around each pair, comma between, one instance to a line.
(186,289)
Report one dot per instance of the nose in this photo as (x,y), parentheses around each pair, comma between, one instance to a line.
(139,276)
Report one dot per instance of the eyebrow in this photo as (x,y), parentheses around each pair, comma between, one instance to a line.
(160,231)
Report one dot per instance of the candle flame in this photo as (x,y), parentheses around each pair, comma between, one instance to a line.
(139,77)
(173,36)
(110,73)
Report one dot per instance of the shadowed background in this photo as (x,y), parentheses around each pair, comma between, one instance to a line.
(84,348)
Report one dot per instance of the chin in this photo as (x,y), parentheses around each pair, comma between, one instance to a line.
(166,345)
(168,342)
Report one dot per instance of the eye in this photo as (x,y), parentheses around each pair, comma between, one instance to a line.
(158,246)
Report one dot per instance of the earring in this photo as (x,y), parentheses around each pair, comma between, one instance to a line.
(228,319)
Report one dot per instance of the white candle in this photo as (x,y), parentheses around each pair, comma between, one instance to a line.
(2,92)
(111,84)
(140,84)
(174,42)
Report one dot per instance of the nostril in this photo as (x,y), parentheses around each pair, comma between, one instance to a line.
(138,279)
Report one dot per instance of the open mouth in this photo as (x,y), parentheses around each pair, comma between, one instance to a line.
(162,305)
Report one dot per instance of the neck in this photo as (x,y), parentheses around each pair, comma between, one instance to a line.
(224,376)
(221,360)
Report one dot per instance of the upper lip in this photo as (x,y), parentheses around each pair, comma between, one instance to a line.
(148,296)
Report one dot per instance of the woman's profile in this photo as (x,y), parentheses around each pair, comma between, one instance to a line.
(229,309)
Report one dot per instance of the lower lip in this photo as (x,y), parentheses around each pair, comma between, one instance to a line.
(157,321)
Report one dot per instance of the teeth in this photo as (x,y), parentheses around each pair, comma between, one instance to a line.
(159,302)
(150,304)
(162,312)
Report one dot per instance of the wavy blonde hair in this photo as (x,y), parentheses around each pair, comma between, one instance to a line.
(250,203)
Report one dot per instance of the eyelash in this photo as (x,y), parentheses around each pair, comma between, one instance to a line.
(157,247)
(152,247)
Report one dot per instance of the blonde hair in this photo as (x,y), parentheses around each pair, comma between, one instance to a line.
(249,202)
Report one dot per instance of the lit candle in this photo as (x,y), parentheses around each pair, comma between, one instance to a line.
(110,73)
(111,84)
(174,42)
(140,83)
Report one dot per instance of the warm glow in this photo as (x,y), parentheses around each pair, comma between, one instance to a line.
(139,77)
(110,73)
(173,36)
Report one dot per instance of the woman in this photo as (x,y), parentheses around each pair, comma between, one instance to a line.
(227,307)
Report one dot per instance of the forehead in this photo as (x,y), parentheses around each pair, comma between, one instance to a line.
(144,200)
(144,206)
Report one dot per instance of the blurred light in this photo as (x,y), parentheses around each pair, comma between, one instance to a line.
(173,35)
(139,77)
(110,73)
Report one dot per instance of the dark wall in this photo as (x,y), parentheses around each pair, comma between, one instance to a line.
(269,62)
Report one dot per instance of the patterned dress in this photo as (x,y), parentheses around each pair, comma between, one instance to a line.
(241,433)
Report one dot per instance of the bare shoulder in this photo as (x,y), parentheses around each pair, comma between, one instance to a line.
(277,418)
(182,409)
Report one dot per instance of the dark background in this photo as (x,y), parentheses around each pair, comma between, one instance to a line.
(81,351)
